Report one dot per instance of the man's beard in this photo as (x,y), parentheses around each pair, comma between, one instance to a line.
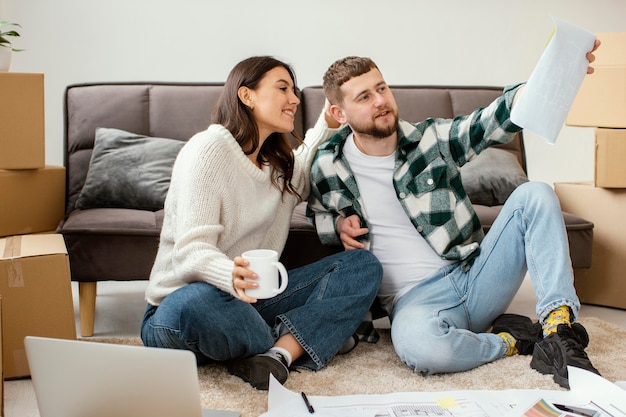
(375,131)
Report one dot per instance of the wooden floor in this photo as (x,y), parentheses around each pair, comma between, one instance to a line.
(120,307)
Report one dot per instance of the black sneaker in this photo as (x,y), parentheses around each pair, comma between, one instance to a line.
(581,332)
(256,370)
(524,331)
(564,347)
(349,345)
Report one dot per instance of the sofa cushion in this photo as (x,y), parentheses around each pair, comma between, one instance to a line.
(492,176)
(128,170)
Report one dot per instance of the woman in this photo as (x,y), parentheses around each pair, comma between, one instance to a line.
(233,188)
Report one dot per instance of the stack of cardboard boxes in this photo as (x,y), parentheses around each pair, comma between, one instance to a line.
(35,285)
(601,103)
(1,372)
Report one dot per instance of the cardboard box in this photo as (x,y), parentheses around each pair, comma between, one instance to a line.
(33,200)
(610,154)
(36,295)
(611,51)
(22,127)
(605,282)
(1,373)
(601,100)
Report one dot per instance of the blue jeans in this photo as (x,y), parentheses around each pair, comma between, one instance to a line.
(440,324)
(322,307)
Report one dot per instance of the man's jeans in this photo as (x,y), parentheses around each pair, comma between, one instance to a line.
(322,307)
(438,326)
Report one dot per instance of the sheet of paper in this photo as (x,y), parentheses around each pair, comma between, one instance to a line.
(278,396)
(601,394)
(588,390)
(554,83)
(452,404)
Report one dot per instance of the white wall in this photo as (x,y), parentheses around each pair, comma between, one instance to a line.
(460,42)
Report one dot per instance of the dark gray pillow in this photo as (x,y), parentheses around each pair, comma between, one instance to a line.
(128,171)
(490,178)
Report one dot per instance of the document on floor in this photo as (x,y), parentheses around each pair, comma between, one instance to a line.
(589,391)
(555,81)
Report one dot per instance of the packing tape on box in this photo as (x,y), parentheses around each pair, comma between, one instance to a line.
(12,251)
(13,247)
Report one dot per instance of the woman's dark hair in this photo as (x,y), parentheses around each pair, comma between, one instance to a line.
(238,119)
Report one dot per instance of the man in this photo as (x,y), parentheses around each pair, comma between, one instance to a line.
(395,188)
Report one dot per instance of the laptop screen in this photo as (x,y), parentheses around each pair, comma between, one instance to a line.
(75,378)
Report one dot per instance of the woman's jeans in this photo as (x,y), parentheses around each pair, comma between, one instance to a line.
(440,324)
(322,306)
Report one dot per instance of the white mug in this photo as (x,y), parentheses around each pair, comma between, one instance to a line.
(265,263)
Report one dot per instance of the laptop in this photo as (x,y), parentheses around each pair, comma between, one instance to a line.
(75,378)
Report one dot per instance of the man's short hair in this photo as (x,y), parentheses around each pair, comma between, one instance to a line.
(341,71)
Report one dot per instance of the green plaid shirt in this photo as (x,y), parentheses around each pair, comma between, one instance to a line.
(426,178)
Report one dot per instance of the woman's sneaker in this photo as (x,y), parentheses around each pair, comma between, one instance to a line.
(563,348)
(349,345)
(256,370)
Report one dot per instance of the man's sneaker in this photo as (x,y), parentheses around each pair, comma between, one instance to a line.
(564,347)
(581,332)
(524,331)
(256,370)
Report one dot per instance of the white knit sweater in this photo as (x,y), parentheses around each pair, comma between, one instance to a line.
(219,205)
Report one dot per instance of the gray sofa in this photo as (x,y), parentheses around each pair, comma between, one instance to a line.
(111,237)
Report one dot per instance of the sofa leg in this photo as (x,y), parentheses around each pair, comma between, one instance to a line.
(87,307)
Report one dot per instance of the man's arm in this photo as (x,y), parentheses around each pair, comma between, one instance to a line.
(323,220)
(331,206)
(318,214)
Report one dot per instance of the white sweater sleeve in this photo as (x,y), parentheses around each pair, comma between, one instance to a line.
(196,225)
(202,202)
(219,205)
(305,153)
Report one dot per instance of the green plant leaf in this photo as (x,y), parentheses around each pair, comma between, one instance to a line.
(4,42)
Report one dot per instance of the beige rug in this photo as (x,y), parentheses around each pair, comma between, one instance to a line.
(375,369)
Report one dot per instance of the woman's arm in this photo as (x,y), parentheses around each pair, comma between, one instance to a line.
(324,129)
(197,186)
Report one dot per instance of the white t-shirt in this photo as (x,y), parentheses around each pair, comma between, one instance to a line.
(405,255)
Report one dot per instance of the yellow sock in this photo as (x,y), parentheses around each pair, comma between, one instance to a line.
(557,316)
(510,343)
